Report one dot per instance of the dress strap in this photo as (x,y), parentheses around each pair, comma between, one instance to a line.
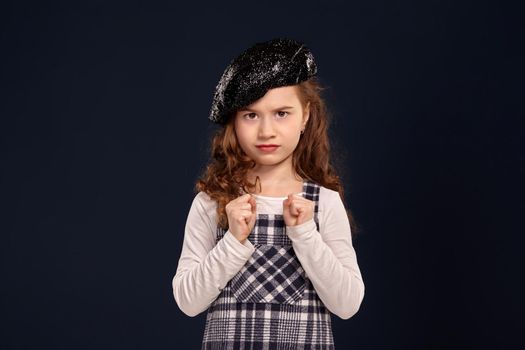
(311,192)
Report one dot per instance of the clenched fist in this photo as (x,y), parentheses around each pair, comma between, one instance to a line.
(241,216)
(297,210)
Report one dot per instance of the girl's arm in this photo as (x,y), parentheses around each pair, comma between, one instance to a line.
(204,267)
(329,258)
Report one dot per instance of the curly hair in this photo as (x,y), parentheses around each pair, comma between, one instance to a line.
(226,175)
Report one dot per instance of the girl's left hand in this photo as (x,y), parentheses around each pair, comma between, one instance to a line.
(297,210)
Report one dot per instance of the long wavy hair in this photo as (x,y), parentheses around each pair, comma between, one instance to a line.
(226,174)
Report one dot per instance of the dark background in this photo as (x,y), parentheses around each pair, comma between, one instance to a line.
(104,131)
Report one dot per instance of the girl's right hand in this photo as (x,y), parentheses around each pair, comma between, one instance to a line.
(241,216)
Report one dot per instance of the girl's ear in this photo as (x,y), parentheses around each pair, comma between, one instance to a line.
(306,114)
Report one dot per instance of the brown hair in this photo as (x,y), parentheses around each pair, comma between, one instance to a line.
(226,174)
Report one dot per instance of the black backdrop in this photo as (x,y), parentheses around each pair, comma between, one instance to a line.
(104,130)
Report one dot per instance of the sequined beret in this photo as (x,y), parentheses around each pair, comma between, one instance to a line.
(264,66)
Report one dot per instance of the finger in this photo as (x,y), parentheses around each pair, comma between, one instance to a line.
(294,209)
(242,199)
(290,200)
(300,213)
(253,204)
(246,198)
(244,206)
(300,199)
(296,199)
(246,216)
(305,203)
(241,219)
(253,218)
(244,212)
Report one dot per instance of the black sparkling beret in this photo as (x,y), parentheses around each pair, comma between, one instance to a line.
(264,66)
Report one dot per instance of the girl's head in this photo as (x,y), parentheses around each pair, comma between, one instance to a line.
(278,118)
(292,116)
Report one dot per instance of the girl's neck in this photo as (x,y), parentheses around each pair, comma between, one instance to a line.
(275,181)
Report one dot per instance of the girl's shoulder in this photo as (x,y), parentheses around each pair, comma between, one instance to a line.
(328,197)
(203,206)
(325,194)
(203,200)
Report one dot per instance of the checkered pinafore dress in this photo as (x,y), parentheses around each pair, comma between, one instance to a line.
(270,303)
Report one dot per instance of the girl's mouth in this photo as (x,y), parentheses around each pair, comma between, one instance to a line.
(268,148)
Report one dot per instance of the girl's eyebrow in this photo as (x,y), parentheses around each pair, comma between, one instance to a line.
(246,109)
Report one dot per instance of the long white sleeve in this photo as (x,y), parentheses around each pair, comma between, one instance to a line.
(204,267)
(329,258)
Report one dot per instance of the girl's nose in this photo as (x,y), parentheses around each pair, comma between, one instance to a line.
(266,127)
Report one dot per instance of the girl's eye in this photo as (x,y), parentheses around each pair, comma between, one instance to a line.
(250,115)
(282,115)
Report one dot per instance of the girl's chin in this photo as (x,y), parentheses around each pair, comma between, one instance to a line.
(266,161)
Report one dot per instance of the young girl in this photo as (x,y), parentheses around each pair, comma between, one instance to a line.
(267,246)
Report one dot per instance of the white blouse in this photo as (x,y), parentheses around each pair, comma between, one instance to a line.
(327,255)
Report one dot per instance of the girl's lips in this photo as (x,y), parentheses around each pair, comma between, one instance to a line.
(267,148)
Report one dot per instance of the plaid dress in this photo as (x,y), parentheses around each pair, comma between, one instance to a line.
(270,303)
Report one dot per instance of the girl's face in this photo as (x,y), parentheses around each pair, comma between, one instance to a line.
(274,120)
